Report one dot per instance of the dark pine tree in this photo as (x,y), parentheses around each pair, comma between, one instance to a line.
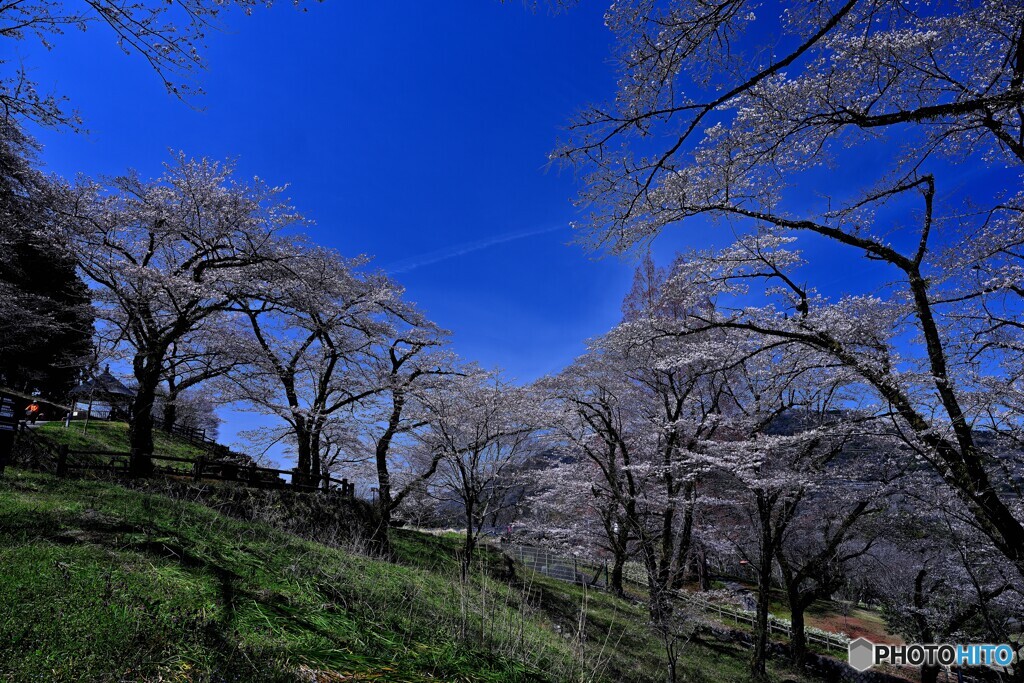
(46,322)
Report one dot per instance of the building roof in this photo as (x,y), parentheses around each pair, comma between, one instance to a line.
(105,384)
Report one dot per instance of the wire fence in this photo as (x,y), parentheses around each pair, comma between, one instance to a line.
(568,569)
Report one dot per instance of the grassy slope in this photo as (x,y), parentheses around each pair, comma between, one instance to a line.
(113,436)
(104,583)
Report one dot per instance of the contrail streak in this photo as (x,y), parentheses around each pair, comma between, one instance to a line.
(431,257)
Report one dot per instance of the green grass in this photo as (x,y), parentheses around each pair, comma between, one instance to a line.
(103,583)
(112,436)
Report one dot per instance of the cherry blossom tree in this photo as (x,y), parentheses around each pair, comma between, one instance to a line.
(566,508)
(164,256)
(766,460)
(702,129)
(483,427)
(304,356)
(936,581)
(591,417)
(833,525)
(667,394)
(407,364)
(681,392)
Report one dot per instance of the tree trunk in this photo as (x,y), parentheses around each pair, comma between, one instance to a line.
(469,544)
(758,670)
(798,639)
(929,674)
(381,539)
(140,427)
(658,605)
(305,459)
(385,505)
(316,460)
(666,544)
(697,567)
(170,415)
(615,579)
(620,548)
(703,575)
(685,542)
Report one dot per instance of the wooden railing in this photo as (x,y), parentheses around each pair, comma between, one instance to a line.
(194,435)
(133,464)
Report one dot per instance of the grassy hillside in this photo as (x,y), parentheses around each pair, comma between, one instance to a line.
(103,583)
(112,436)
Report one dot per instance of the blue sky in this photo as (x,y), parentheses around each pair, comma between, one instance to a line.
(414,132)
(417,133)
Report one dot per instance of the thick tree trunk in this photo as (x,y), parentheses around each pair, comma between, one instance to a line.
(929,674)
(381,539)
(317,475)
(304,459)
(615,578)
(620,547)
(141,423)
(798,639)
(703,574)
(685,543)
(697,568)
(659,607)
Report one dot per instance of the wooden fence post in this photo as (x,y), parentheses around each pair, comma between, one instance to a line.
(62,461)
(197,468)
(133,463)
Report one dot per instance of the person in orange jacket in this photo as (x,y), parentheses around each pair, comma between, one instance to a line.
(32,412)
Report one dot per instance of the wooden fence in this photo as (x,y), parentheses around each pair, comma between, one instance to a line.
(131,464)
(194,435)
